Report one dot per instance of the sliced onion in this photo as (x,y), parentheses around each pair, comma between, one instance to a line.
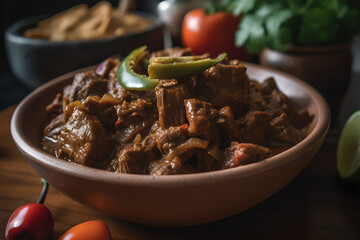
(101,68)
(190,144)
(215,152)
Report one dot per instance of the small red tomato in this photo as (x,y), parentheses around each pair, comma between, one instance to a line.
(32,220)
(213,33)
(91,230)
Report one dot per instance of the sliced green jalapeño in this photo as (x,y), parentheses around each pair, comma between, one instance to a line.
(160,68)
(180,67)
(131,80)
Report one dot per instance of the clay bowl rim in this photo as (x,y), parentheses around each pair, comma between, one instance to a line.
(15,31)
(91,174)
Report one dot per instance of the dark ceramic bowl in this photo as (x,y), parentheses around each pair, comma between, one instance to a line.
(36,61)
(179,200)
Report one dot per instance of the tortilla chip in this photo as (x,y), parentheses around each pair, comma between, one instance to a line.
(84,23)
(96,23)
(37,33)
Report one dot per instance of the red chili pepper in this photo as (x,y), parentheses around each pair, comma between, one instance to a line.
(118,124)
(184,127)
(91,230)
(31,221)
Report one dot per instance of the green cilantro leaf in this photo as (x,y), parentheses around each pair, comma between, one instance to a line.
(243,6)
(251,34)
(319,26)
(266,10)
(279,24)
(279,36)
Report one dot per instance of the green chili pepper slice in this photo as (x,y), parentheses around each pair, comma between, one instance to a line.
(180,67)
(131,80)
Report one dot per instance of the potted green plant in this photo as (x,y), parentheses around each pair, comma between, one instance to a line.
(307,38)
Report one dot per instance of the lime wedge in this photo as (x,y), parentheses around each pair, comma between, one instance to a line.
(348,151)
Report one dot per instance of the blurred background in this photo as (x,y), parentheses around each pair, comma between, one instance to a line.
(12,90)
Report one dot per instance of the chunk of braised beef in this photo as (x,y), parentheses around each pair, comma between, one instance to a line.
(139,107)
(170,138)
(149,142)
(256,97)
(51,134)
(52,130)
(56,106)
(201,117)
(170,95)
(134,159)
(84,139)
(148,95)
(278,100)
(105,68)
(86,84)
(229,127)
(205,162)
(172,52)
(268,86)
(256,126)
(244,153)
(103,109)
(134,117)
(161,167)
(283,130)
(115,90)
(69,109)
(224,85)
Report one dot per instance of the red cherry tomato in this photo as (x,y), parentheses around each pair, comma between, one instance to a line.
(213,33)
(33,220)
(91,230)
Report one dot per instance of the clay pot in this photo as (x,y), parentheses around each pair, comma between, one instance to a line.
(326,68)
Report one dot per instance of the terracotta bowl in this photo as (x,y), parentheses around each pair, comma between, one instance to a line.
(171,201)
(36,61)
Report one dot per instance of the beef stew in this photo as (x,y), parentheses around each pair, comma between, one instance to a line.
(215,120)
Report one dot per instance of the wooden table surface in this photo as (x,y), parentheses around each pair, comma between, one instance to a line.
(315,205)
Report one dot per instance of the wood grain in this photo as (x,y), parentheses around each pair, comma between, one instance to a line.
(316,205)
